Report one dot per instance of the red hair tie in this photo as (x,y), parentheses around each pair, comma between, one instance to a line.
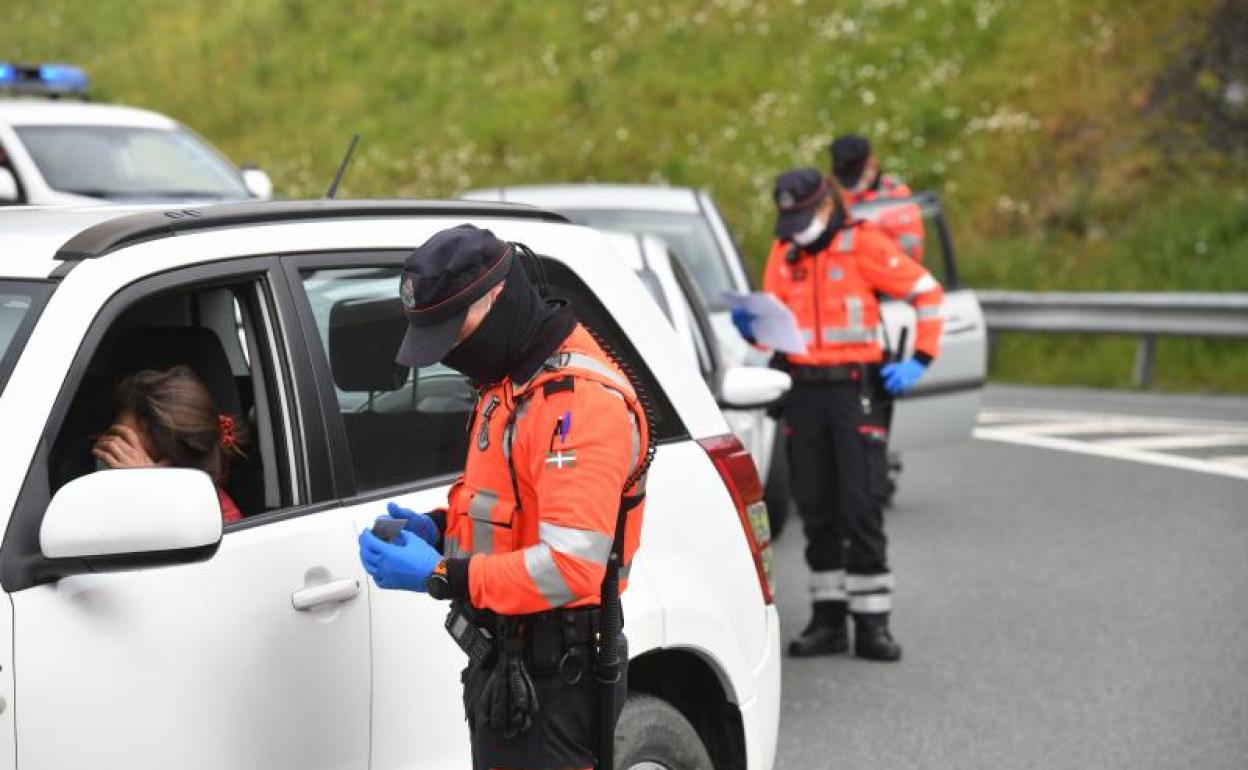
(225,427)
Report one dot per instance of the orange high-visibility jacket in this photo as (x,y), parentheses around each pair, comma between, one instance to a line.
(904,223)
(573,434)
(833,295)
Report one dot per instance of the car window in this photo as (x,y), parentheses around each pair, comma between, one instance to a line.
(20,302)
(180,352)
(128,163)
(689,235)
(402,427)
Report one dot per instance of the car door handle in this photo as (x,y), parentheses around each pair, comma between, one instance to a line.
(327,593)
(960,325)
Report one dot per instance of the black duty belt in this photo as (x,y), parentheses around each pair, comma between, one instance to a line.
(549,635)
(842,373)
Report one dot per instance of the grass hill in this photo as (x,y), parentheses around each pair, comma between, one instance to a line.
(1078,144)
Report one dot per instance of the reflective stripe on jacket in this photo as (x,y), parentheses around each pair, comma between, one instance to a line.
(833,295)
(902,223)
(573,435)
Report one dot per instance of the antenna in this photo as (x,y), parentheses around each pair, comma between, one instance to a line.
(333,187)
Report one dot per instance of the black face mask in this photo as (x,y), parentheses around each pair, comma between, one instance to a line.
(825,238)
(511,329)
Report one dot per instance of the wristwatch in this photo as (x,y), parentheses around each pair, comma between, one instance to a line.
(436,585)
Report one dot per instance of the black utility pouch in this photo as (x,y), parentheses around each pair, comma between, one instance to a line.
(544,644)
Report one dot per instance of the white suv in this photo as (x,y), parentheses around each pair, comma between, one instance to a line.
(140,634)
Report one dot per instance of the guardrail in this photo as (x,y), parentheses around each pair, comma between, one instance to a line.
(1146,315)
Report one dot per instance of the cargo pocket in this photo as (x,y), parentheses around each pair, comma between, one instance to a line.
(491,522)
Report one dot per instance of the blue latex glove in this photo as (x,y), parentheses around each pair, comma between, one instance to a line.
(744,321)
(404,565)
(900,377)
(419,524)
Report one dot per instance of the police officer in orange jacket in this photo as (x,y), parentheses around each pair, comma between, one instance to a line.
(546,514)
(828,269)
(857,171)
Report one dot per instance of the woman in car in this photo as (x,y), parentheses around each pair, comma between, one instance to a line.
(168,418)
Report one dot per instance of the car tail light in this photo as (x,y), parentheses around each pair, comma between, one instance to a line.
(736,468)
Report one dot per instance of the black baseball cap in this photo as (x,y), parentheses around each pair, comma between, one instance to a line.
(798,193)
(441,279)
(849,158)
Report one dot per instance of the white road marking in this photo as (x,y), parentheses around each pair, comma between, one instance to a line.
(1062,431)
(1178,441)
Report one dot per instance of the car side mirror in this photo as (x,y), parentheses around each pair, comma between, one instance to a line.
(115,520)
(8,187)
(753,387)
(258,183)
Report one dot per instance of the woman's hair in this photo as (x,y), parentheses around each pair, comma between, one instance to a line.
(177,415)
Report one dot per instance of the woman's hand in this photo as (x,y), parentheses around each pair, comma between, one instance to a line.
(121,447)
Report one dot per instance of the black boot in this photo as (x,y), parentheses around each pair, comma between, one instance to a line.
(872,639)
(826,635)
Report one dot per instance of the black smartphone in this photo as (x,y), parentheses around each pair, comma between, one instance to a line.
(388,529)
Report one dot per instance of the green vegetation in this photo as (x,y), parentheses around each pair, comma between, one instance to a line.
(1079,144)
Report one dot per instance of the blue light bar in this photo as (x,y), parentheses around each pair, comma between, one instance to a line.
(44,79)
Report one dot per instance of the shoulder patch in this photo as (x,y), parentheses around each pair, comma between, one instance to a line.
(552,387)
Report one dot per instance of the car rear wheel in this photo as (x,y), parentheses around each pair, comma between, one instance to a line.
(652,735)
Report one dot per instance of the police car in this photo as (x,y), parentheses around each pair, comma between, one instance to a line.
(138,631)
(57,148)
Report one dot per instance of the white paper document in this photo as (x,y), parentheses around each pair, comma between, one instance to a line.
(774,324)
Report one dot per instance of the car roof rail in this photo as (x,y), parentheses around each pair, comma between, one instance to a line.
(128,230)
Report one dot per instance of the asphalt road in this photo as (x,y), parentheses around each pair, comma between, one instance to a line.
(1058,610)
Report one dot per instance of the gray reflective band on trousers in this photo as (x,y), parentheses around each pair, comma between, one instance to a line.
(545,574)
(479,509)
(828,586)
(869,583)
(927,311)
(867,604)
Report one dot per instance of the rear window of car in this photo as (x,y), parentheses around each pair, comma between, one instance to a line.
(20,303)
(689,235)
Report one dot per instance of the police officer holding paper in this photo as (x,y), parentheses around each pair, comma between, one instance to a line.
(828,269)
(534,545)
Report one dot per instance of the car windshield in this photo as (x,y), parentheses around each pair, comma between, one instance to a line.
(20,302)
(689,235)
(130,164)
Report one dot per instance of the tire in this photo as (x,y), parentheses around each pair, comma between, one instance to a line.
(652,735)
(778,493)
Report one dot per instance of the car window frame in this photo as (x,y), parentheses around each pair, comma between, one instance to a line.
(294,264)
(22,563)
(933,212)
(700,316)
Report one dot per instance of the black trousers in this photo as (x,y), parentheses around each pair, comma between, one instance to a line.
(838,462)
(564,733)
